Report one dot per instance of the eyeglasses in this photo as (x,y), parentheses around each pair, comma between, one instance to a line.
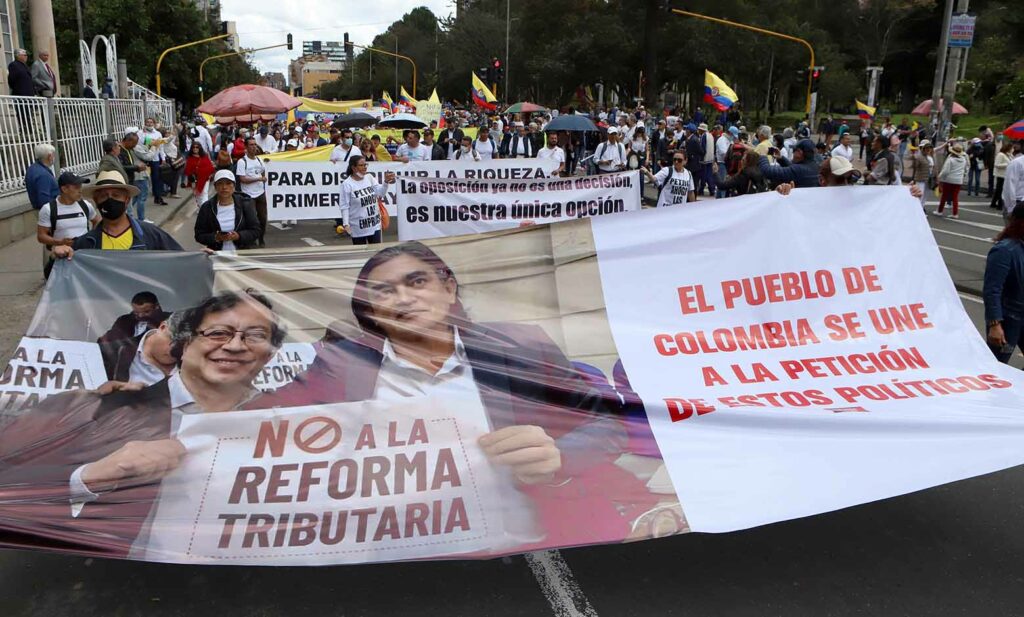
(251,338)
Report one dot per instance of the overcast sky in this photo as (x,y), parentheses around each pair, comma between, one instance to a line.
(266,22)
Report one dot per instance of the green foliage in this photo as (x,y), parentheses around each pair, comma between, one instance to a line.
(143,31)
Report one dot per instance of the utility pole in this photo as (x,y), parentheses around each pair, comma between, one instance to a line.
(397,91)
(940,63)
(874,73)
(81,37)
(952,72)
(508,30)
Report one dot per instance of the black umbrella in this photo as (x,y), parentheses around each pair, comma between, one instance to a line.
(403,121)
(354,120)
(570,123)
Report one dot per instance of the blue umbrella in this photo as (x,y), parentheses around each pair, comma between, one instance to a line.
(570,123)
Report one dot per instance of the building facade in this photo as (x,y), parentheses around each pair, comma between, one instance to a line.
(10,38)
(333,51)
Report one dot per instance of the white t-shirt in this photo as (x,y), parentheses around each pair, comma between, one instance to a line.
(843,151)
(484,148)
(226,219)
(268,144)
(71,221)
(359,211)
(722,149)
(614,153)
(419,153)
(339,153)
(555,154)
(678,189)
(250,167)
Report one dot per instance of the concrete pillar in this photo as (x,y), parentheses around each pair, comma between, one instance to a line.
(40,14)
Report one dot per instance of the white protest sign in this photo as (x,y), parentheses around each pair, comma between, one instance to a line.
(41,367)
(436,208)
(343,483)
(801,354)
(290,360)
(309,190)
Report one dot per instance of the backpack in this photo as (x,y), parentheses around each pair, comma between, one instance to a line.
(671,170)
(53,214)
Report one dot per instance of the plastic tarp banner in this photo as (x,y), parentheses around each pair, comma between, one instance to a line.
(707,367)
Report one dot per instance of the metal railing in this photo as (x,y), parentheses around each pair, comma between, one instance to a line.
(75,127)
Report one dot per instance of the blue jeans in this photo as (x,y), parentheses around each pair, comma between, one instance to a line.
(156,181)
(974,181)
(141,183)
(719,193)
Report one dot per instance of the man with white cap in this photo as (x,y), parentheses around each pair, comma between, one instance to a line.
(117,230)
(611,155)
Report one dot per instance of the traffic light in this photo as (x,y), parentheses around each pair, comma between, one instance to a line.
(816,73)
(488,74)
(289,41)
(499,70)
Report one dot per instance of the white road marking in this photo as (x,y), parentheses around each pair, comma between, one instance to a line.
(559,585)
(971,298)
(278,225)
(177,227)
(312,242)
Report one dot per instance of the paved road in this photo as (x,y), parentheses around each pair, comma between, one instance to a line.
(952,550)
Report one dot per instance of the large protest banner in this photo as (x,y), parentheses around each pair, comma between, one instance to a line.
(454,207)
(602,380)
(309,190)
(802,354)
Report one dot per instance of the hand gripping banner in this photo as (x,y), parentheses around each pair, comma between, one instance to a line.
(709,367)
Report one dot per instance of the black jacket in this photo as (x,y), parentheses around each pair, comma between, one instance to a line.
(19,79)
(146,237)
(510,148)
(246,223)
(748,180)
(456,139)
(438,152)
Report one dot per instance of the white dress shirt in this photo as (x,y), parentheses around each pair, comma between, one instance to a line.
(1013,184)
(142,370)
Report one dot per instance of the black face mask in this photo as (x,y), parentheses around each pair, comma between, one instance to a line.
(111,208)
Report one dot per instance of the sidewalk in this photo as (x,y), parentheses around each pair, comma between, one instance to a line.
(21,277)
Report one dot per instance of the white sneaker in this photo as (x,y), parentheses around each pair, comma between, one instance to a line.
(938,213)
(955,217)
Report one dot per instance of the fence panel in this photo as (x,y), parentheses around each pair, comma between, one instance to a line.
(23,124)
(125,113)
(80,132)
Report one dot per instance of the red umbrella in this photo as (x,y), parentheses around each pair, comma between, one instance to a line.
(248,103)
(925,107)
(1015,130)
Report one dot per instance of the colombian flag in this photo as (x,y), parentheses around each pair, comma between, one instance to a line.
(386,102)
(717,92)
(482,96)
(865,112)
(405,99)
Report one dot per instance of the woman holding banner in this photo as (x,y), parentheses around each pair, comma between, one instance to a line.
(360,209)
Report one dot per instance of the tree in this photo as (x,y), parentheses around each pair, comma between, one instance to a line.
(143,31)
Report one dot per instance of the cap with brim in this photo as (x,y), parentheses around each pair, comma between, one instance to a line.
(613,131)
(702,127)
(840,166)
(110,180)
(807,146)
(223,174)
(925,144)
(734,131)
(70,177)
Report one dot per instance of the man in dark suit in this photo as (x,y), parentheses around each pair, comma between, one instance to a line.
(146,314)
(82,470)
(19,76)
(450,138)
(88,92)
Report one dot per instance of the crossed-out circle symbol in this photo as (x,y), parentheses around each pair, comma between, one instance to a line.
(324,434)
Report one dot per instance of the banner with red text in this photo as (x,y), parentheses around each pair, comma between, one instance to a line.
(802,354)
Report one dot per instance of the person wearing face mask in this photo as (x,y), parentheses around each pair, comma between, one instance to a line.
(467,151)
(345,148)
(117,230)
(360,208)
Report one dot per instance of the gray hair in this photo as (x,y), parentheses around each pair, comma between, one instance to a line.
(42,151)
(764,131)
(20,52)
(109,144)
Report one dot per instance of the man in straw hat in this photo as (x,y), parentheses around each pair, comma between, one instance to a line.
(117,230)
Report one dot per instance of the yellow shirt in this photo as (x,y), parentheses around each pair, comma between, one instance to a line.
(762,147)
(122,242)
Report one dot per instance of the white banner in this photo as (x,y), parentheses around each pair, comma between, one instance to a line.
(309,190)
(786,375)
(42,367)
(343,483)
(440,208)
(290,360)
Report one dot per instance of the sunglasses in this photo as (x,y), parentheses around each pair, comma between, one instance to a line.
(678,160)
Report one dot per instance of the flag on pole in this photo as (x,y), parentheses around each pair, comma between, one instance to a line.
(864,111)
(405,99)
(386,102)
(717,92)
(482,96)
